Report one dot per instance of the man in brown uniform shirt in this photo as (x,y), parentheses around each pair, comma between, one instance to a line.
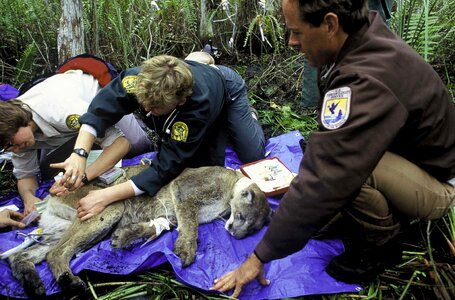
(384,152)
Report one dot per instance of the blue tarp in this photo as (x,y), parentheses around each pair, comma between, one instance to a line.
(297,275)
(7,92)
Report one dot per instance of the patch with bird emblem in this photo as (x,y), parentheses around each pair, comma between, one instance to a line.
(179,131)
(129,83)
(72,121)
(335,108)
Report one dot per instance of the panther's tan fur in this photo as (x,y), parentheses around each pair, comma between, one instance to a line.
(196,196)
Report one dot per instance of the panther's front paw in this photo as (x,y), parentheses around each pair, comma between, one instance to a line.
(71,284)
(186,250)
(123,237)
(118,239)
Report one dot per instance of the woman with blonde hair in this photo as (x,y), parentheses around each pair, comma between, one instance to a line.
(184,105)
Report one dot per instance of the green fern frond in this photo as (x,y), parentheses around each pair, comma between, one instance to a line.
(189,15)
(251,28)
(420,25)
(25,64)
(275,31)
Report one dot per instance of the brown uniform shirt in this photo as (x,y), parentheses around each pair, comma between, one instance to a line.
(379,96)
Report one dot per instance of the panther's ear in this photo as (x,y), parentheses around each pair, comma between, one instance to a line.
(248,196)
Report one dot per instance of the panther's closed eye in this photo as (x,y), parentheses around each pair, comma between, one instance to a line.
(238,216)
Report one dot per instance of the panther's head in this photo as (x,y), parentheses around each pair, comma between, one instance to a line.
(250,210)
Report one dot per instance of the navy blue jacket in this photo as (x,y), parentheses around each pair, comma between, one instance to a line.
(192,136)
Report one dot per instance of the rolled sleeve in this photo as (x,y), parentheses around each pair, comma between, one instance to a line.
(111,104)
(25,164)
(148,181)
(112,133)
(89,129)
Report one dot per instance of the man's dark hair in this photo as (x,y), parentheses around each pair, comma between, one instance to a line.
(352,14)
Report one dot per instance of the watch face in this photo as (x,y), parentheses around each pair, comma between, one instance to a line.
(80,152)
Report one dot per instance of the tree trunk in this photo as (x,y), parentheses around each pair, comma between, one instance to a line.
(70,40)
(94,36)
(203,34)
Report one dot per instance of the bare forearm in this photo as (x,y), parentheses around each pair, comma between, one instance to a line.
(108,158)
(85,140)
(119,192)
(27,187)
(96,201)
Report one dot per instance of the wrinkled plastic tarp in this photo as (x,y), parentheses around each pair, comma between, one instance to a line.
(297,275)
(8,92)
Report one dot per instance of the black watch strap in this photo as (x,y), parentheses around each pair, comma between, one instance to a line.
(80,152)
(85,180)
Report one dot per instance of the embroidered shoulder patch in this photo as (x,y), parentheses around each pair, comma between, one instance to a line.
(179,131)
(335,108)
(72,121)
(129,83)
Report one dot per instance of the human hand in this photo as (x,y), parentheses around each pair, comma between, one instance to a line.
(10,218)
(74,167)
(91,205)
(29,205)
(252,268)
(57,189)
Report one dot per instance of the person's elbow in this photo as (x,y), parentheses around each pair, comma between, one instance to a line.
(252,154)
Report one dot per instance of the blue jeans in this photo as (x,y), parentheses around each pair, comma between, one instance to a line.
(244,131)
(310,90)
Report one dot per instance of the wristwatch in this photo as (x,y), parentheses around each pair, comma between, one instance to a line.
(85,180)
(81,152)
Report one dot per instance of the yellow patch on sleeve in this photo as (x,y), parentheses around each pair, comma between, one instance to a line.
(179,131)
(72,121)
(336,108)
(129,83)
